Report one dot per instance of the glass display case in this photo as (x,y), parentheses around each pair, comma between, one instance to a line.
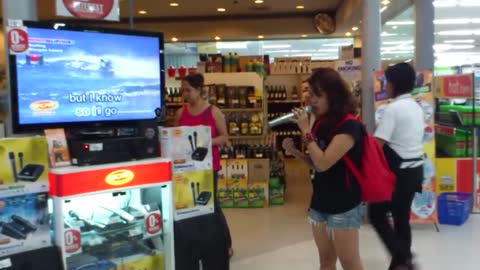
(116,216)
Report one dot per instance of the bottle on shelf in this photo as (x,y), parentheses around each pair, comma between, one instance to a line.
(227,60)
(233,126)
(244,125)
(221,98)
(212,95)
(234,63)
(294,93)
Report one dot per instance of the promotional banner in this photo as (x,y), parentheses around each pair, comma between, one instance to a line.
(89,9)
(424,206)
(454,86)
(351,71)
(24,166)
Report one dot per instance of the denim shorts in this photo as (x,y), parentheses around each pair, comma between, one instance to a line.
(350,220)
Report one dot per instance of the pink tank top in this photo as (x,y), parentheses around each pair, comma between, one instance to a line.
(206,119)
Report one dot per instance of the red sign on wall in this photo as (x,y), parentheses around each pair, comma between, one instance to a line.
(89,9)
(455,86)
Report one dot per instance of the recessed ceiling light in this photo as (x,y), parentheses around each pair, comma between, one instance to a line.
(142,12)
(218,38)
(394,27)
(355,28)
(304,36)
(260,36)
(173,4)
(300,7)
(385,2)
(348,34)
(174,39)
(258,1)
(221,9)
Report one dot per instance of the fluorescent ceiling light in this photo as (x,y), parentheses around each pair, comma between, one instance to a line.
(457,21)
(400,23)
(455,3)
(459,41)
(471,32)
(328,50)
(302,51)
(231,45)
(383,9)
(446,47)
(397,52)
(386,34)
(400,47)
(340,44)
(277,51)
(302,55)
(277,46)
(397,42)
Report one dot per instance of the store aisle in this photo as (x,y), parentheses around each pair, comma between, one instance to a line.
(279,237)
(257,231)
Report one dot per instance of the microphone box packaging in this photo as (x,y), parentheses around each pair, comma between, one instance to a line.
(189,148)
(24,163)
(225,192)
(24,223)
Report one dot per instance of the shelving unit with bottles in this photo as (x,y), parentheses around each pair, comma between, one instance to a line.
(283,93)
(239,95)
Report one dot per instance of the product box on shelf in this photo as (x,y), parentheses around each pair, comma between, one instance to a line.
(238,177)
(24,223)
(24,166)
(193,194)
(258,195)
(189,148)
(224,192)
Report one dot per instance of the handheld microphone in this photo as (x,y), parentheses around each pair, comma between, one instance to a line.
(286,118)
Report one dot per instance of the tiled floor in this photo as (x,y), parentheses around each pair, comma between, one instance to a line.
(279,238)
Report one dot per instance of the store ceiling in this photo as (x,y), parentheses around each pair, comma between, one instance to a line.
(457,33)
(202,8)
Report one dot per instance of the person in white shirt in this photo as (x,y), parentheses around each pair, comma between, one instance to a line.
(400,132)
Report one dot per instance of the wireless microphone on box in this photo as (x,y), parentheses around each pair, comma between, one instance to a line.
(30,173)
(199,153)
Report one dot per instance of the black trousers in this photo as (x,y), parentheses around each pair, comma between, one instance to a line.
(398,240)
(218,210)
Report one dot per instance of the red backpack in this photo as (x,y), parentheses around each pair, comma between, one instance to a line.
(375,178)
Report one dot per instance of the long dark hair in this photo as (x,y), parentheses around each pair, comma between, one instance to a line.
(340,98)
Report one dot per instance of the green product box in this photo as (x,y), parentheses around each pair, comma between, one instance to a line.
(466,112)
(276,191)
(257,195)
(454,142)
(240,197)
(225,197)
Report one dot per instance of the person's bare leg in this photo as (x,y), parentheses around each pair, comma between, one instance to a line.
(346,244)
(326,250)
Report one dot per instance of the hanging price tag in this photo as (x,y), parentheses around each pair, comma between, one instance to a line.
(153,224)
(17,37)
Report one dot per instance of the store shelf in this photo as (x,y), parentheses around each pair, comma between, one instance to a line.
(284,101)
(253,137)
(175,104)
(243,110)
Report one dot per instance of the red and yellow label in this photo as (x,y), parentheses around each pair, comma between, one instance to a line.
(119,177)
(44,105)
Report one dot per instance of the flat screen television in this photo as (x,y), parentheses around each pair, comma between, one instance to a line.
(80,76)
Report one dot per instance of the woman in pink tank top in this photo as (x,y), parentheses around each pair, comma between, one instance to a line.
(197,111)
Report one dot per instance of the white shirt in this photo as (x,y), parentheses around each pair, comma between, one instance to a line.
(402,126)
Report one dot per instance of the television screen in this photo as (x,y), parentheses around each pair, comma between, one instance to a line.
(72,77)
